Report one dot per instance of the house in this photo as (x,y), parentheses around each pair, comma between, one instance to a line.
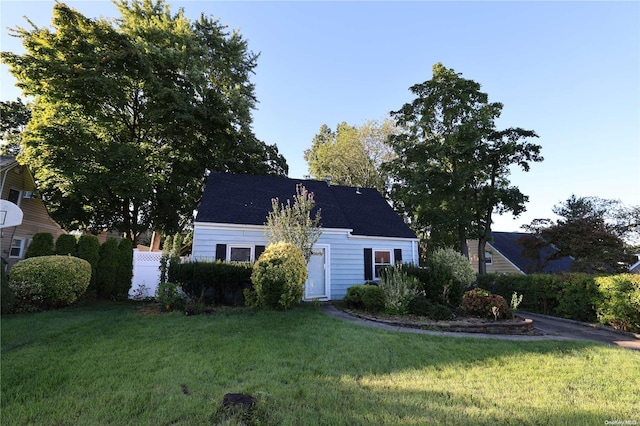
(360,230)
(18,186)
(504,255)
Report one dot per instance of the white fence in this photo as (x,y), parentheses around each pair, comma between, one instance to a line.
(146,273)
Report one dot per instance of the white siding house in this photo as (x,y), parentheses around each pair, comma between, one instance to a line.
(360,231)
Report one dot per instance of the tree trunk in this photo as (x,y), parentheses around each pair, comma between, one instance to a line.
(482,259)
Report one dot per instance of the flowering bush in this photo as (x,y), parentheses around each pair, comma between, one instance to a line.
(481,303)
(399,289)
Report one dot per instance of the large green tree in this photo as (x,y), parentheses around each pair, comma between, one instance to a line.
(452,165)
(130,115)
(352,155)
(589,229)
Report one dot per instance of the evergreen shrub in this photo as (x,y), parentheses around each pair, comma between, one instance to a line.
(125,268)
(170,297)
(41,245)
(66,245)
(7,296)
(89,250)
(49,282)
(619,301)
(218,283)
(108,270)
(278,276)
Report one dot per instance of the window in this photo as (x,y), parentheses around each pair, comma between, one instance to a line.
(240,254)
(17,248)
(381,258)
(14,196)
(488,258)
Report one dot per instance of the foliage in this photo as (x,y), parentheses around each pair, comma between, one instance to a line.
(619,301)
(165,258)
(352,155)
(481,303)
(399,289)
(576,294)
(452,166)
(6,296)
(41,245)
(170,297)
(278,276)
(293,223)
(49,282)
(14,116)
(89,250)
(107,283)
(125,268)
(422,306)
(122,106)
(450,273)
(370,298)
(586,232)
(213,282)
(515,302)
(66,244)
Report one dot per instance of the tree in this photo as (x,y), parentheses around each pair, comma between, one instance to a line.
(14,116)
(130,116)
(41,245)
(590,229)
(451,166)
(293,223)
(352,155)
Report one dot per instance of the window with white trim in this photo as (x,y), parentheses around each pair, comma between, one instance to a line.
(240,253)
(488,258)
(381,258)
(17,248)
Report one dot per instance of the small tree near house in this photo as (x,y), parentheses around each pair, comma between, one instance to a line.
(293,223)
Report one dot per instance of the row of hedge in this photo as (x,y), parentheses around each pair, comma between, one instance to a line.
(612,300)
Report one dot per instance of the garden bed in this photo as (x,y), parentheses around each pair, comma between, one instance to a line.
(517,325)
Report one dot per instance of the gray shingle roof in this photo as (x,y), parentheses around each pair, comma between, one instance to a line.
(509,244)
(246,199)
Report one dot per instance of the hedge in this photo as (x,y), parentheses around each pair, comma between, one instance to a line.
(612,300)
(217,282)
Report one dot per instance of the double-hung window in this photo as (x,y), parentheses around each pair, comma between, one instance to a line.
(240,254)
(17,248)
(381,258)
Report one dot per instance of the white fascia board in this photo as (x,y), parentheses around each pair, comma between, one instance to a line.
(235,226)
(368,237)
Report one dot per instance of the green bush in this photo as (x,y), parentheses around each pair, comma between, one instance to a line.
(213,282)
(399,289)
(66,245)
(6,297)
(170,297)
(353,298)
(422,306)
(108,270)
(619,301)
(89,250)
(577,297)
(481,303)
(47,282)
(41,245)
(278,276)
(125,268)
(373,298)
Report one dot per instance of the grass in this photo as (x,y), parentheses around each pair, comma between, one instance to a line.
(112,364)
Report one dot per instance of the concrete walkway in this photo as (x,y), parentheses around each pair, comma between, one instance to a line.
(551,328)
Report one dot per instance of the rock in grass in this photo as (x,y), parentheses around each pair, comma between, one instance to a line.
(238,400)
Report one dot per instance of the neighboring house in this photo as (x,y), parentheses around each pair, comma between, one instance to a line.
(635,268)
(504,255)
(360,230)
(19,187)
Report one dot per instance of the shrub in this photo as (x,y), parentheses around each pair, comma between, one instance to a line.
(278,276)
(66,245)
(47,282)
(125,268)
(373,298)
(422,306)
(213,282)
(108,270)
(89,250)
(450,273)
(481,303)
(619,301)
(7,296)
(353,298)
(170,297)
(41,245)
(576,295)
(399,289)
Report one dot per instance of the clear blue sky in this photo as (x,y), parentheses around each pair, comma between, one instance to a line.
(568,70)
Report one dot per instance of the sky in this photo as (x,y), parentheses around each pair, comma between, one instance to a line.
(570,71)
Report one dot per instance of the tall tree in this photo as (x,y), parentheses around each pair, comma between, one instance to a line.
(352,155)
(14,116)
(452,164)
(589,229)
(131,115)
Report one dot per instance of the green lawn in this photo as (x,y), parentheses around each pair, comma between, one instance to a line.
(107,363)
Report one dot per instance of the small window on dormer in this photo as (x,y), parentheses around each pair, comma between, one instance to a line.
(488,258)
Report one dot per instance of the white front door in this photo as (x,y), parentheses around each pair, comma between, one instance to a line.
(316,286)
